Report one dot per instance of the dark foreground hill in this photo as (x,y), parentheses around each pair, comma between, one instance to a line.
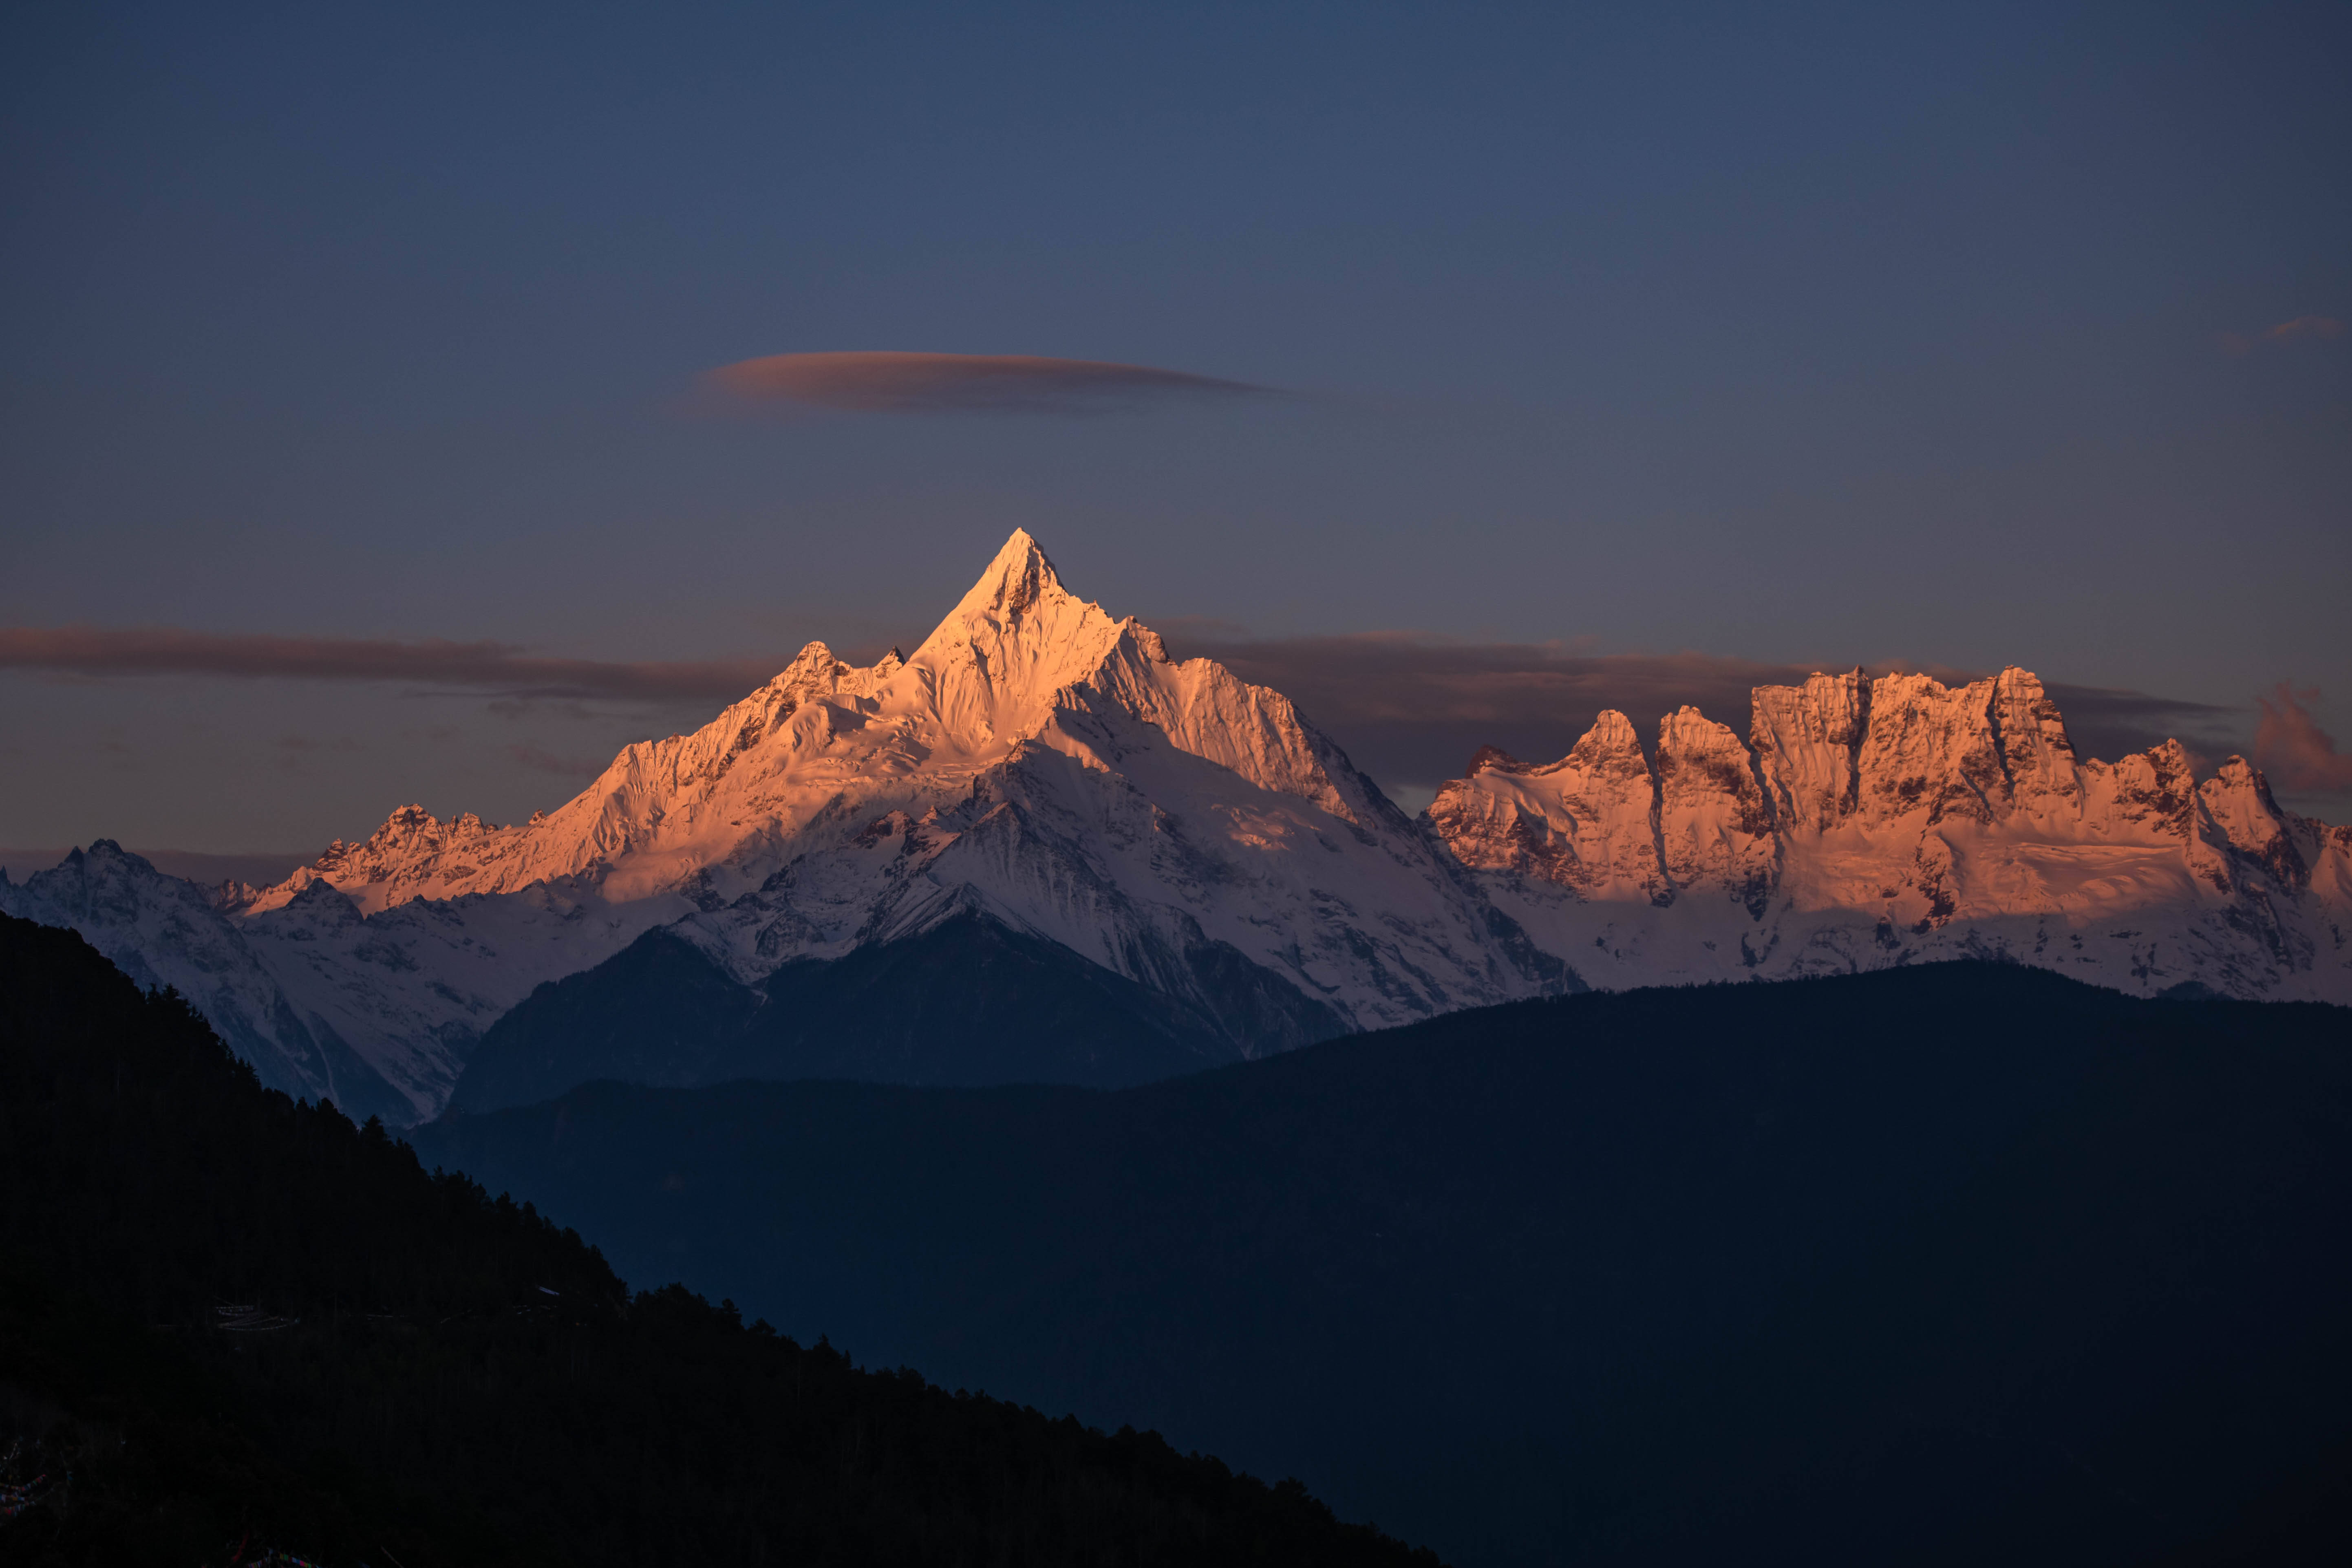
(967,1002)
(1959,1264)
(231,1324)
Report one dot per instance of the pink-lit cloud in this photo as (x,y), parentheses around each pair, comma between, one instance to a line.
(2284,332)
(489,666)
(2304,327)
(2290,746)
(877,382)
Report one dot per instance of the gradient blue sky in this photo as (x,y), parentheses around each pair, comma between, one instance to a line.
(1798,336)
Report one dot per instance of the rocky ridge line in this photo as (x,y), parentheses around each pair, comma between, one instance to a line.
(1865,822)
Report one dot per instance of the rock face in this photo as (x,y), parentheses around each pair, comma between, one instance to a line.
(1589,821)
(1868,823)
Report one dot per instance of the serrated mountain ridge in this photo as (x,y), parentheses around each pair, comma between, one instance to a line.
(1864,823)
(1046,770)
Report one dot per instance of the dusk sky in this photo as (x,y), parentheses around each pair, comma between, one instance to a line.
(1621,355)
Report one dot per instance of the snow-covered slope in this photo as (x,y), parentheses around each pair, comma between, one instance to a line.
(1036,760)
(165,932)
(1865,823)
(376,1014)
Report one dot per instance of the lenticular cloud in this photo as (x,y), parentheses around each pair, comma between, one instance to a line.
(895,382)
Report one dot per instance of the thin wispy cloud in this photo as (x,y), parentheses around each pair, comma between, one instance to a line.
(2115,721)
(875,382)
(493,667)
(2290,746)
(2302,327)
(541,761)
(260,868)
(1409,708)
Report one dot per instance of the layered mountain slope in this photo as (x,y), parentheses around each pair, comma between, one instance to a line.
(163,932)
(1869,823)
(1960,1263)
(424,1377)
(375,1013)
(967,1002)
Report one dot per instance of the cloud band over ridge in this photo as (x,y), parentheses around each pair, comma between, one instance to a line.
(890,382)
(2290,744)
(485,665)
(1410,710)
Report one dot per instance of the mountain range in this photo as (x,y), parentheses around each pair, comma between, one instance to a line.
(1041,848)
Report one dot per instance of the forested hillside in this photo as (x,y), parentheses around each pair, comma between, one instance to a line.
(1957,1263)
(231,1324)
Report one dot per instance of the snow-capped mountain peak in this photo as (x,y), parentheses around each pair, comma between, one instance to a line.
(1036,762)
(1042,769)
(1865,822)
(722,807)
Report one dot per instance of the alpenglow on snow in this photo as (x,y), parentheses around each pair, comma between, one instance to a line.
(1043,770)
